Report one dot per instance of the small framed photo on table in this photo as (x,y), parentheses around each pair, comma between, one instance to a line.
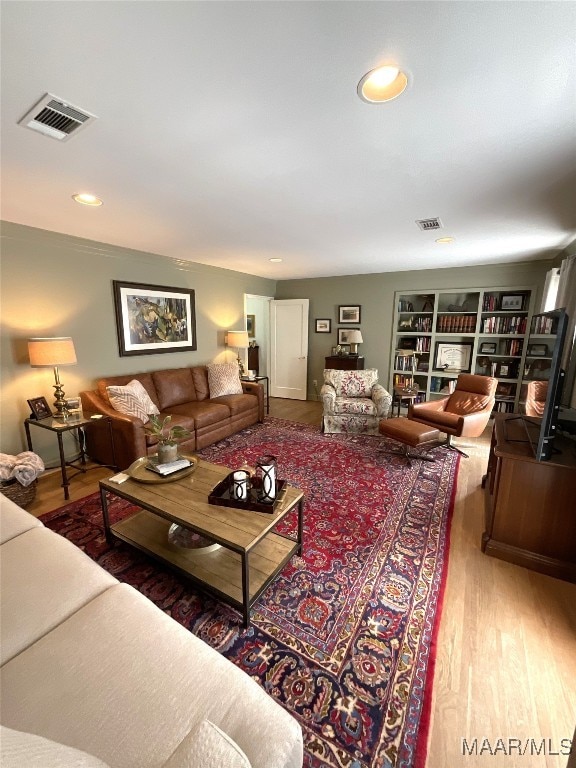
(40,408)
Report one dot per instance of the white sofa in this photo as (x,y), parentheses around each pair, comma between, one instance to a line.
(93,674)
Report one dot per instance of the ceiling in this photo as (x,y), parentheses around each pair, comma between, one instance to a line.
(229,133)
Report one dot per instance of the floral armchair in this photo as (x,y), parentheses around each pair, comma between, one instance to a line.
(353,401)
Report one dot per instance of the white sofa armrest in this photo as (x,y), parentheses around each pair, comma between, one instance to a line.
(328,397)
(208,746)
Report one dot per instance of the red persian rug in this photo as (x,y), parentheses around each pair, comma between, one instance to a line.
(345,636)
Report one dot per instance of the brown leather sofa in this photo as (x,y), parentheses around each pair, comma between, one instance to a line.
(184,394)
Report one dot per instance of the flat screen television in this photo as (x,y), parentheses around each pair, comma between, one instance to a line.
(542,380)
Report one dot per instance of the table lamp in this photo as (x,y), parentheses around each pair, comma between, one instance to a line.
(354,338)
(46,353)
(239,340)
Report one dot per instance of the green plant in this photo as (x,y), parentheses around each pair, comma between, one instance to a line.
(166,435)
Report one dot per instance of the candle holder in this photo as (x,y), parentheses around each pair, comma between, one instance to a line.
(266,474)
(240,485)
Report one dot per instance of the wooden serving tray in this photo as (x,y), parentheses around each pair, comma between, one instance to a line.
(221,495)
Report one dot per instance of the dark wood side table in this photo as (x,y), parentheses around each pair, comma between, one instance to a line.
(344,362)
(261,378)
(78,422)
(400,394)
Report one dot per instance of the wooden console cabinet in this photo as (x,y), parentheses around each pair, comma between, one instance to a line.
(530,505)
(345,362)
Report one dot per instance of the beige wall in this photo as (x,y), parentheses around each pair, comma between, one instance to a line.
(375,294)
(55,285)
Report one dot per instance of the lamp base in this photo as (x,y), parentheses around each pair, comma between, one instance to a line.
(60,401)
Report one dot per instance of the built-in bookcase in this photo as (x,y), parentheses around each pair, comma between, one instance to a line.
(438,334)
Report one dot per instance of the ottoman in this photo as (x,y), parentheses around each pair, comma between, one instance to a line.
(410,434)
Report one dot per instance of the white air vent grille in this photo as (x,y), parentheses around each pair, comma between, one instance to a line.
(56,118)
(427,224)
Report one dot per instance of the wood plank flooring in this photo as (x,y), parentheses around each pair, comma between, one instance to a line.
(506,650)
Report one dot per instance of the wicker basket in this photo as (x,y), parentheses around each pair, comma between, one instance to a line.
(19,494)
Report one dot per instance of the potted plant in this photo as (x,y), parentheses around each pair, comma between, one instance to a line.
(167,436)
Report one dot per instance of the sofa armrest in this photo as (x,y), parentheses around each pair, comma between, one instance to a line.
(382,399)
(255,388)
(207,746)
(127,432)
(328,397)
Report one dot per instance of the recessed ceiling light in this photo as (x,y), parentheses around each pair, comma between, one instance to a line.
(382,84)
(84,198)
(275,261)
(445,240)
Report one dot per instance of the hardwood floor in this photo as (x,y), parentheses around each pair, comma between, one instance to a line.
(506,650)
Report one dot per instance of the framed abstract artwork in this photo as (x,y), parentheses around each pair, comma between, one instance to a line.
(151,319)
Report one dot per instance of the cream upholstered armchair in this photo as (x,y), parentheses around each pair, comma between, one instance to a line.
(353,401)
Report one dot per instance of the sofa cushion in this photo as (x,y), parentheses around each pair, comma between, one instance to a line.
(120,381)
(14,520)
(355,405)
(224,379)
(18,749)
(351,383)
(174,387)
(238,403)
(133,400)
(200,378)
(123,681)
(57,581)
(209,747)
(202,414)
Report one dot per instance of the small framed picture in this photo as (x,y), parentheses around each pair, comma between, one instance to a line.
(488,348)
(40,408)
(349,313)
(512,301)
(343,334)
(537,350)
(504,369)
(251,325)
(323,325)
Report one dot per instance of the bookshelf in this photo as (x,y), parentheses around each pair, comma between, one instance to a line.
(438,334)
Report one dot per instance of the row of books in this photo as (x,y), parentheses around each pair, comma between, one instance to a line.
(445,386)
(544,325)
(421,323)
(404,362)
(456,323)
(512,324)
(512,347)
(405,306)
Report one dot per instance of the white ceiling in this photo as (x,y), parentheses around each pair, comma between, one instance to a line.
(231,132)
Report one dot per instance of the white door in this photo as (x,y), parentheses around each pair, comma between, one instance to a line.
(289,348)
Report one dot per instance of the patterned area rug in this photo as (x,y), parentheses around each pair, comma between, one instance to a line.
(344,638)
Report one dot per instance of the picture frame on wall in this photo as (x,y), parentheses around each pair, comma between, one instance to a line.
(349,313)
(251,326)
(40,408)
(151,319)
(512,302)
(343,334)
(323,325)
(454,356)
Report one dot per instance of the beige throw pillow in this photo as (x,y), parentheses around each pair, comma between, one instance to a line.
(224,379)
(133,400)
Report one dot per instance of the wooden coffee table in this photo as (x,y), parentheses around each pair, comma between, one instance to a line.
(251,553)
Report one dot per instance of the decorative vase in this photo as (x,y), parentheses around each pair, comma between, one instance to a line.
(167,453)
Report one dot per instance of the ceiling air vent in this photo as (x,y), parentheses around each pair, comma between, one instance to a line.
(56,118)
(427,224)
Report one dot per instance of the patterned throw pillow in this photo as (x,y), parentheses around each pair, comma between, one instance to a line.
(133,400)
(224,379)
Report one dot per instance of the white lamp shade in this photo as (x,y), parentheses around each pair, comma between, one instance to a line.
(238,339)
(354,337)
(49,352)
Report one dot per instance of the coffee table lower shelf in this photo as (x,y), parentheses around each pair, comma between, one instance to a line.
(239,578)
